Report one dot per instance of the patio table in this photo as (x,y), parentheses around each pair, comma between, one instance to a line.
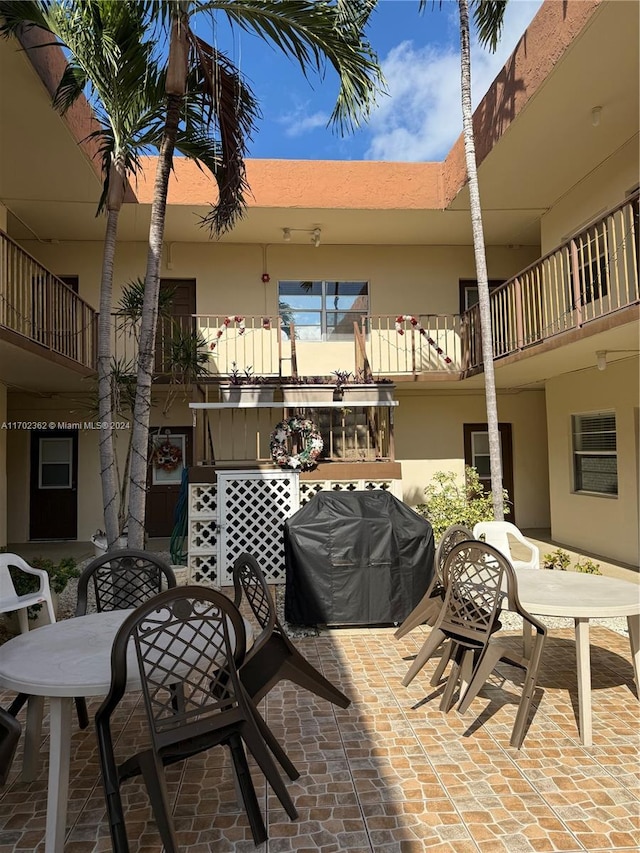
(582,597)
(64,660)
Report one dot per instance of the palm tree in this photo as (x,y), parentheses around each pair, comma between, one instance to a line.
(110,61)
(313,33)
(488,16)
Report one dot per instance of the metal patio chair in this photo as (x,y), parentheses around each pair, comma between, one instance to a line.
(273,657)
(10,731)
(119,580)
(186,643)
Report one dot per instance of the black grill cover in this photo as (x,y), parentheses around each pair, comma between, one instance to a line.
(355,558)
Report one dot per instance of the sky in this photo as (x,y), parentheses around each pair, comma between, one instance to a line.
(417,120)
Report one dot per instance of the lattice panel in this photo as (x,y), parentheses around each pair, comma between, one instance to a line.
(203,500)
(254,507)
(308,489)
(203,569)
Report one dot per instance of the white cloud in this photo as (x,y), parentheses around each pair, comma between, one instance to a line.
(297,123)
(421,117)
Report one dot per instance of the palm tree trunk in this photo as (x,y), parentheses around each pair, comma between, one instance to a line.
(481,266)
(108,469)
(176,86)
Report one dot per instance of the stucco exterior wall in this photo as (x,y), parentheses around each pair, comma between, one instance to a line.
(601,524)
(429,438)
(403,279)
(597,192)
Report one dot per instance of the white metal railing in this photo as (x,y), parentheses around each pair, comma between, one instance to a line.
(591,275)
(34,303)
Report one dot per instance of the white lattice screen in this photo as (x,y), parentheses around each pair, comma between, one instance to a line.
(246,511)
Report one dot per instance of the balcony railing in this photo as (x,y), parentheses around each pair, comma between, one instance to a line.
(40,307)
(591,275)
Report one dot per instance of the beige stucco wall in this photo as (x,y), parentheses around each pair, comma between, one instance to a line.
(597,192)
(429,438)
(403,279)
(600,524)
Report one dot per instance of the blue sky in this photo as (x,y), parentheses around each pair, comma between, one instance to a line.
(420,117)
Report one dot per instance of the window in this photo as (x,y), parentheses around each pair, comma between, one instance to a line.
(595,458)
(322,310)
(56,460)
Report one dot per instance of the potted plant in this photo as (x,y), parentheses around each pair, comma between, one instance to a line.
(305,390)
(59,576)
(351,388)
(244,387)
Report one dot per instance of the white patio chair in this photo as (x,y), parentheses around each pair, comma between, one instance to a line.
(497,533)
(9,598)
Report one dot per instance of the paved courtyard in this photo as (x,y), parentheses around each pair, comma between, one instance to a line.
(392,773)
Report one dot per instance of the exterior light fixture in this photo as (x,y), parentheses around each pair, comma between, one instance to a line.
(315,237)
(596,113)
(601,359)
(286,235)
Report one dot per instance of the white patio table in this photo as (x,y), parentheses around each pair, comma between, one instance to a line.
(582,597)
(64,660)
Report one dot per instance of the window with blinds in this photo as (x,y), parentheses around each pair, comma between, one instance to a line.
(595,457)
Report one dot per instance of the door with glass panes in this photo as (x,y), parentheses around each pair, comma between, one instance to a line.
(54,485)
(476,454)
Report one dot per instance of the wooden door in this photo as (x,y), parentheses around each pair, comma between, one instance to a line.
(176,319)
(476,454)
(53,512)
(170,453)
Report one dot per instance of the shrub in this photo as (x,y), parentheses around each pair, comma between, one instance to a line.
(557,559)
(449,501)
(588,567)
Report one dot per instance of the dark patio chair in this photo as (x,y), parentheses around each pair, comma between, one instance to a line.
(10,730)
(427,609)
(120,580)
(273,657)
(189,637)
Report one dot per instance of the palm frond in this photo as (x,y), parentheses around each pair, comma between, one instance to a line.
(488,16)
(315,33)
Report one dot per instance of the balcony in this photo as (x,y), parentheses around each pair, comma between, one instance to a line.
(41,313)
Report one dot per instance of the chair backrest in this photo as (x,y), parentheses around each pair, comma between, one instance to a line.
(187,641)
(7,587)
(123,579)
(249,581)
(452,536)
(476,588)
(497,533)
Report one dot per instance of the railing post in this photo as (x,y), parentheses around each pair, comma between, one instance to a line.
(517,290)
(294,357)
(361,350)
(575,283)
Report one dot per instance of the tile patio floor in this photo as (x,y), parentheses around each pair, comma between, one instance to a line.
(390,774)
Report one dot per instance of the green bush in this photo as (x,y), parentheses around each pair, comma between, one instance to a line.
(557,559)
(59,576)
(448,501)
(588,567)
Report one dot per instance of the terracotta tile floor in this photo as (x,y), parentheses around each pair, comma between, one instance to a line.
(390,774)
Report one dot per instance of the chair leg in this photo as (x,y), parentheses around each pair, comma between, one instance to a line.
(81,711)
(430,645)
(459,657)
(302,673)
(483,670)
(257,747)
(445,657)
(154,778)
(528,689)
(419,615)
(274,745)
(247,790)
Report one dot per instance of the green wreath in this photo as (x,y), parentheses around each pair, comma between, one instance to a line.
(310,437)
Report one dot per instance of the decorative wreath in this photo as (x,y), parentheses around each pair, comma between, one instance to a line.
(309,436)
(409,318)
(167,456)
